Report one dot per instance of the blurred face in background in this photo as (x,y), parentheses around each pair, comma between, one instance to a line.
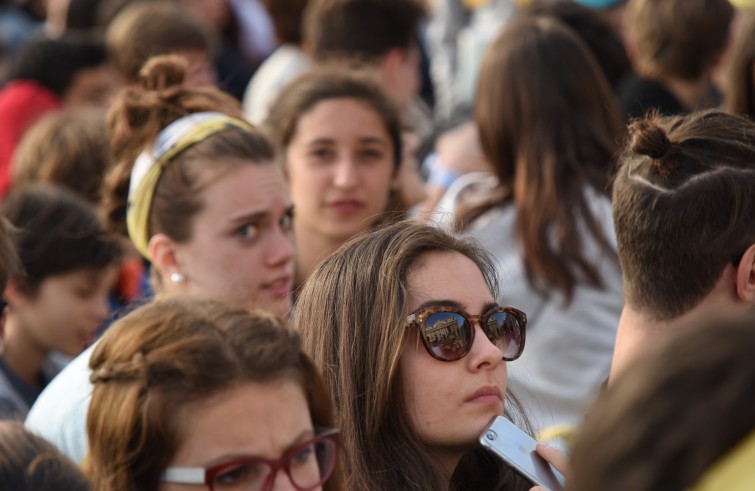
(341,169)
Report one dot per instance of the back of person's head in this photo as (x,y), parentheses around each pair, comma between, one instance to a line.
(684,207)
(171,354)
(326,83)
(136,119)
(54,63)
(145,29)
(288,19)
(740,92)
(549,126)
(70,148)
(678,38)
(30,463)
(675,412)
(82,14)
(58,233)
(10,264)
(595,30)
(361,29)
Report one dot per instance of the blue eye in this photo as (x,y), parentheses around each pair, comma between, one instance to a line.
(242,473)
(287,220)
(303,456)
(248,231)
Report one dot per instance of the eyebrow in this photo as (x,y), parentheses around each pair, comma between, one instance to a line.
(455,304)
(230,458)
(364,139)
(250,217)
(374,139)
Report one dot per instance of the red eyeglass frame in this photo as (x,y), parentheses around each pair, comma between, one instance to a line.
(202,475)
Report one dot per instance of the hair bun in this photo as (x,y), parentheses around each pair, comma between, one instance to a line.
(649,139)
(163,72)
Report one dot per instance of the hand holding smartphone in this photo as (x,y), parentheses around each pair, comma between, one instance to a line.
(518,450)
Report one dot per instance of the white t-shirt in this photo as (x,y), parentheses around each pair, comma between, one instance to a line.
(279,69)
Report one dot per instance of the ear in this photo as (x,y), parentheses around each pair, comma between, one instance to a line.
(390,65)
(163,252)
(746,276)
(15,293)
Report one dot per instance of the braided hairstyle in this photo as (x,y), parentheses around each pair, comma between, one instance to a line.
(172,353)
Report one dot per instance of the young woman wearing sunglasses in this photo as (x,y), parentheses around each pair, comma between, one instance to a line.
(191,394)
(404,325)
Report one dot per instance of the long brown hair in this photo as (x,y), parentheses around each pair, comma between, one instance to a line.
(549,126)
(349,315)
(740,93)
(175,352)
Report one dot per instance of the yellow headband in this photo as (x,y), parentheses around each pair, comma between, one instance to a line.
(172,140)
(744,4)
(733,472)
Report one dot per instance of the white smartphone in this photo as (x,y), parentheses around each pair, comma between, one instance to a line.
(517,449)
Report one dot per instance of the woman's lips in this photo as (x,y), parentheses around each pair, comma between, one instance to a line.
(279,287)
(486,395)
(346,206)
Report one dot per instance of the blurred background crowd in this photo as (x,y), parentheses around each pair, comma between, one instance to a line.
(270,228)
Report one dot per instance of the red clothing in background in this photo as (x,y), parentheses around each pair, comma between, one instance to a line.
(22,103)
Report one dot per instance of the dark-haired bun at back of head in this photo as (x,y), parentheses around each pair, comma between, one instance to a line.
(648,138)
(163,72)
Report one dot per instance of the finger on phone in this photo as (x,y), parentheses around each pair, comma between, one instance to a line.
(555,457)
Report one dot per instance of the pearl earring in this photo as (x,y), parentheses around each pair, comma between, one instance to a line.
(176,278)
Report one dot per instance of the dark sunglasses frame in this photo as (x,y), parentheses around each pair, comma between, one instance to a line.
(275,465)
(420,317)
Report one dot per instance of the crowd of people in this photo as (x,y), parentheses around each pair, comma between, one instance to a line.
(321,244)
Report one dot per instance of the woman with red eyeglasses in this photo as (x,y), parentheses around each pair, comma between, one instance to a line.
(404,324)
(192,394)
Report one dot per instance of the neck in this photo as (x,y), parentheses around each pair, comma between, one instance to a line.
(692,94)
(638,330)
(311,249)
(635,331)
(21,353)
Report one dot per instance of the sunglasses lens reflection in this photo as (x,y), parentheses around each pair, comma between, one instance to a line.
(504,330)
(447,335)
